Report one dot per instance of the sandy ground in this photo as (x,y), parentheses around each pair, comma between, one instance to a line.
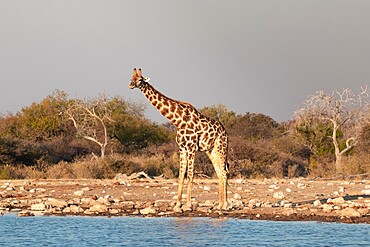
(272,199)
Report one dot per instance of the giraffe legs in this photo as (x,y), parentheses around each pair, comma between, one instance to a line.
(183,167)
(186,164)
(191,157)
(219,163)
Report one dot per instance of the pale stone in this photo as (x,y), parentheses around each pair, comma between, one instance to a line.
(162,203)
(327,208)
(273,186)
(288,190)
(104,201)
(114,211)
(148,210)
(363,211)
(99,208)
(207,203)
(237,196)
(349,212)
(288,212)
(301,185)
(237,204)
(79,193)
(206,188)
(85,189)
(25,214)
(73,209)
(317,203)
(38,207)
(239,181)
(88,212)
(339,200)
(278,195)
(56,202)
(365,192)
(127,205)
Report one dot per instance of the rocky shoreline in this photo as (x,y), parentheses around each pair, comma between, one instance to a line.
(267,199)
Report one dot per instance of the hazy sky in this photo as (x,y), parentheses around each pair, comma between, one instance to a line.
(252,56)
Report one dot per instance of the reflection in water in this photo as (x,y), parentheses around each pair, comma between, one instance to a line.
(136,231)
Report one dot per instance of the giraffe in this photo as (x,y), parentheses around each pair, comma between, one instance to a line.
(195,132)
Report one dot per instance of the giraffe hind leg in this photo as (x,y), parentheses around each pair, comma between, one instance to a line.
(219,162)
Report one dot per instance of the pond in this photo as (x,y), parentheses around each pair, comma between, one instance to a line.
(137,231)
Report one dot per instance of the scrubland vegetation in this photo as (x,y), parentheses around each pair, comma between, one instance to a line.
(61,137)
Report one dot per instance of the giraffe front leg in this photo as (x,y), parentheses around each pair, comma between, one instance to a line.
(183,166)
(188,206)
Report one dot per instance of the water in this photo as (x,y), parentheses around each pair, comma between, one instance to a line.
(136,231)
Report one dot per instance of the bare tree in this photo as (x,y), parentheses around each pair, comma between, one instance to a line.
(344,111)
(91,119)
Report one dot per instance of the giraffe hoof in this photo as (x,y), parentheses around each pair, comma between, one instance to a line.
(187,207)
(223,207)
(177,209)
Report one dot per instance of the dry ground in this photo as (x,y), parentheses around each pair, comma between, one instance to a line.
(275,199)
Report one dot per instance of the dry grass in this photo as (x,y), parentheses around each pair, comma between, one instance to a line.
(168,166)
(91,168)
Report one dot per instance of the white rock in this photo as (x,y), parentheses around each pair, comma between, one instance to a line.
(239,181)
(73,209)
(288,190)
(114,211)
(237,196)
(206,188)
(363,211)
(278,195)
(339,200)
(349,212)
(148,210)
(38,207)
(301,186)
(85,189)
(56,202)
(104,201)
(365,192)
(235,203)
(317,203)
(25,214)
(79,193)
(327,208)
(99,208)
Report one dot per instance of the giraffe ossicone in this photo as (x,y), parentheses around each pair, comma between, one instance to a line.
(195,132)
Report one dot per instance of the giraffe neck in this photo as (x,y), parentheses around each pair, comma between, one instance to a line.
(173,110)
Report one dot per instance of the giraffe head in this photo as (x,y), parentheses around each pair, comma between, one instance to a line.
(137,79)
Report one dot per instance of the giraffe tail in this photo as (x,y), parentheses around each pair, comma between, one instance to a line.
(227,167)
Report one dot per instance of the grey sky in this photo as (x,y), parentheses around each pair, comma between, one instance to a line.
(252,56)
